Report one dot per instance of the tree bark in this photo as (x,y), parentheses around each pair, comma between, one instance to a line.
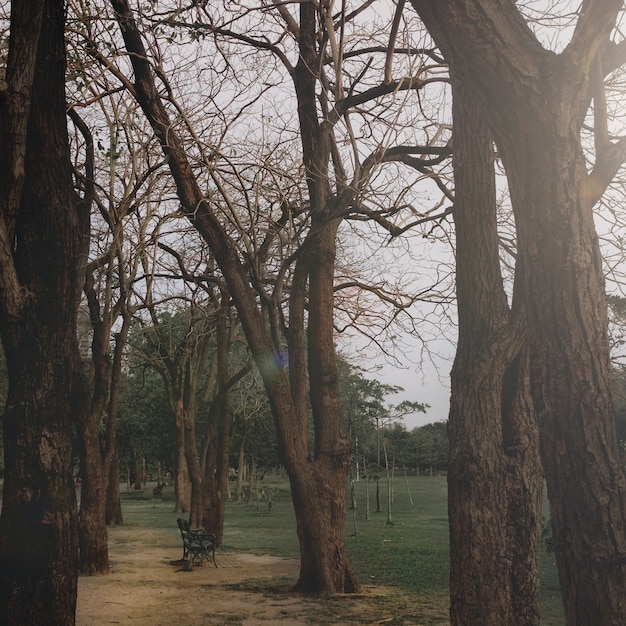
(536,102)
(92,531)
(218,438)
(571,381)
(241,464)
(215,481)
(494,475)
(113,511)
(43,241)
(182,489)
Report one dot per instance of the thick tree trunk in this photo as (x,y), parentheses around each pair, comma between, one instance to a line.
(92,531)
(536,102)
(494,477)
(215,482)
(113,511)
(320,519)
(241,465)
(219,435)
(43,240)
(38,547)
(182,489)
(194,468)
(137,470)
(211,506)
(318,486)
(571,380)
(99,498)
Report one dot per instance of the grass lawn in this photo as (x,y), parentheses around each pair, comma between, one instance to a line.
(410,554)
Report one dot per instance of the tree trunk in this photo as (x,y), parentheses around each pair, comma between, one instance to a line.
(216,481)
(113,512)
(209,512)
(138,470)
(241,465)
(571,383)
(251,477)
(209,507)
(320,519)
(92,531)
(182,491)
(38,547)
(536,102)
(100,499)
(494,476)
(43,240)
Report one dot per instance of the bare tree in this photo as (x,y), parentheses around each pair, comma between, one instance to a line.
(111,303)
(536,102)
(178,343)
(317,472)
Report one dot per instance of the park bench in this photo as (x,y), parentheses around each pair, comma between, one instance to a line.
(198,545)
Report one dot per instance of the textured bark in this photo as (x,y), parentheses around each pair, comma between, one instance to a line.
(217,440)
(494,477)
(43,242)
(536,103)
(113,511)
(215,481)
(92,530)
(571,388)
(182,488)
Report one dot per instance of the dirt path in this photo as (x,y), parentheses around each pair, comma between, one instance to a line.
(147,589)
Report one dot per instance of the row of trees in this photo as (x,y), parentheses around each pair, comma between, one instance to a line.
(147,426)
(279,205)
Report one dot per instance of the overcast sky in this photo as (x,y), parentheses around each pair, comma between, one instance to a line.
(421,384)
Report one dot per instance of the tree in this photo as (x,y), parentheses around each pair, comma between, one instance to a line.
(536,102)
(120,182)
(145,421)
(277,337)
(363,402)
(431,447)
(210,471)
(617,310)
(177,345)
(4,385)
(193,350)
(44,234)
(494,474)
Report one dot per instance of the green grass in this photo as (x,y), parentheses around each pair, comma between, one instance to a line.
(411,554)
(412,551)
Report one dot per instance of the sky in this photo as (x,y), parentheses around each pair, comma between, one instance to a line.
(426,382)
(421,384)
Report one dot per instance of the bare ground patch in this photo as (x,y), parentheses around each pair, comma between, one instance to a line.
(147,588)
